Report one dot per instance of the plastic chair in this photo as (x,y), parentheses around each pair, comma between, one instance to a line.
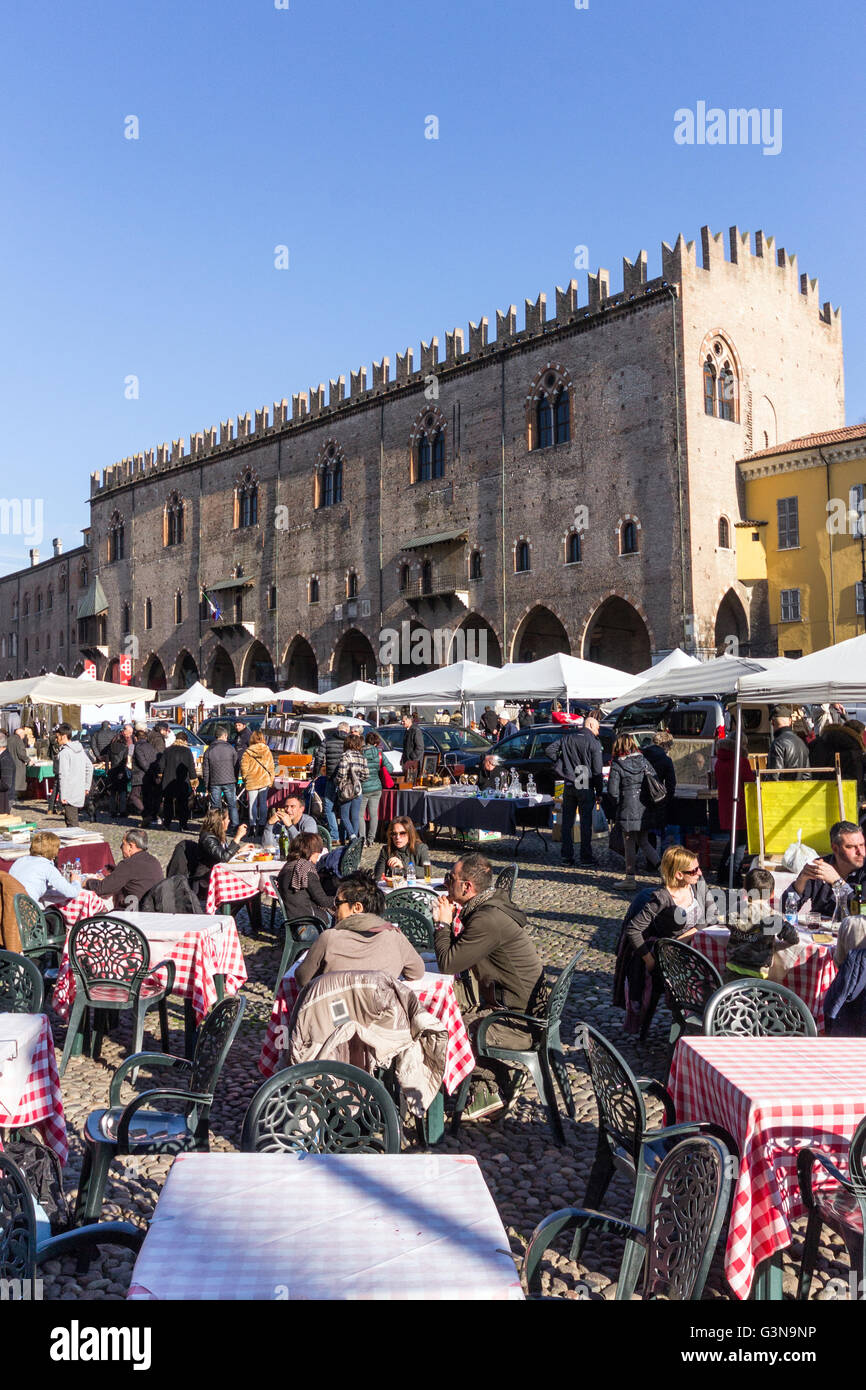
(842,1207)
(301,932)
(685,1212)
(690,979)
(413,922)
(350,859)
(43,933)
(23,1249)
(626,1144)
(419,897)
(321,1107)
(110,960)
(21,988)
(322,829)
(542,1058)
(179,1127)
(757,1009)
(506,879)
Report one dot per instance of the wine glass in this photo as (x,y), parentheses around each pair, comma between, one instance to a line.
(841,892)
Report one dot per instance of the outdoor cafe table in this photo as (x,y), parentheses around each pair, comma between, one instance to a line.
(29,1084)
(325,1226)
(436,993)
(810,978)
(774,1096)
(95,855)
(206,951)
(234,882)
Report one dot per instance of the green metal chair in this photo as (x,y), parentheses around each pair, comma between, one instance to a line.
(690,979)
(626,1144)
(43,935)
(506,879)
(322,829)
(842,1207)
(350,859)
(321,1107)
(542,1058)
(413,922)
(23,1248)
(757,1009)
(685,1212)
(181,1123)
(21,988)
(419,897)
(301,932)
(110,961)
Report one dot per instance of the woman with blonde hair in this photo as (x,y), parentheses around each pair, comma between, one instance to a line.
(680,908)
(37,872)
(257,771)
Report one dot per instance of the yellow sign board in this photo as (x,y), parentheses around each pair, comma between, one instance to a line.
(789,807)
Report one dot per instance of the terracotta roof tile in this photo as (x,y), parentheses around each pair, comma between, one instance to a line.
(811,441)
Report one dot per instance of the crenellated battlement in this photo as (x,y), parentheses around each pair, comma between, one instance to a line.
(679,265)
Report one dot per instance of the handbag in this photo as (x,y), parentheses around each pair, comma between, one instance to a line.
(652,791)
(384,774)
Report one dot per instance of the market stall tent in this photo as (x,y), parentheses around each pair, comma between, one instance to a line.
(454,684)
(196,695)
(716,677)
(69,690)
(834,674)
(557,677)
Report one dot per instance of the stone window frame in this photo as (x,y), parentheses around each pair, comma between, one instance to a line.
(518,545)
(178,607)
(477,552)
(246,486)
(553,390)
(352,586)
(794,617)
(25,606)
(116,538)
(724,522)
(329,476)
(719,359)
(49,598)
(174,519)
(314,580)
(569,536)
(83,574)
(125,619)
(38,600)
(619,535)
(431,426)
(148,614)
(272,598)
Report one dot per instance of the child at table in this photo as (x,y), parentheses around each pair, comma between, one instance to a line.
(758,933)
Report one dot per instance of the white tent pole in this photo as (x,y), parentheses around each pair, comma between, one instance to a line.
(739,742)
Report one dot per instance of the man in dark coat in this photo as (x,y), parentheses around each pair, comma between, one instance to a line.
(7,776)
(496,947)
(787,748)
(657,755)
(413,741)
(328,758)
(242,737)
(846,740)
(101,739)
(18,753)
(135,875)
(577,759)
(488,721)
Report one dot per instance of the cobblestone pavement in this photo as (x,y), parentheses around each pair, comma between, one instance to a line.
(528,1174)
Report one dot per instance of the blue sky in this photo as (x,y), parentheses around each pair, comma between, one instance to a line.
(306,127)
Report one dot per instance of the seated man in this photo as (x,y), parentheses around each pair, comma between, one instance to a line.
(495,945)
(845,863)
(291,818)
(137,873)
(488,772)
(360,939)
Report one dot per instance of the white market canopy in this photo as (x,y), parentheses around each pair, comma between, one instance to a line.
(196,695)
(555,677)
(716,677)
(353,693)
(249,695)
(69,690)
(299,696)
(674,661)
(462,680)
(836,673)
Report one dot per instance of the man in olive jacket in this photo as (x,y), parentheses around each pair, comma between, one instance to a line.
(495,945)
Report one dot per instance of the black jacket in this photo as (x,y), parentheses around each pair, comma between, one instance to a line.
(7,775)
(131,878)
(303,902)
(489,722)
(330,754)
(665,772)
(242,741)
(101,741)
(788,750)
(422,857)
(144,755)
(577,758)
(413,745)
(837,738)
(213,851)
(178,770)
(624,786)
(17,750)
(219,766)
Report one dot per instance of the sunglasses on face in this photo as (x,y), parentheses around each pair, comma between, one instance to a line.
(690,873)
(401,834)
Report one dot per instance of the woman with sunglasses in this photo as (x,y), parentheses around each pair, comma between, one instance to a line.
(401,848)
(680,908)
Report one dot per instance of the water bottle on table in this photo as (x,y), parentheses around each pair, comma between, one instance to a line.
(790,908)
(410,874)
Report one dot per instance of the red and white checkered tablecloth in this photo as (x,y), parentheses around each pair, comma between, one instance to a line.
(810,978)
(233,883)
(41,1103)
(775,1096)
(200,946)
(436,993)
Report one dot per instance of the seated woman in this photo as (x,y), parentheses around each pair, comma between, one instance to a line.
(298,883)
(401,848)
(214,844)
(37,872)
(360,938)
(679,908)
(845,1000)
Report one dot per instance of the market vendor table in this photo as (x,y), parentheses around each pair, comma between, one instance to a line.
(460,809)
(283,788)
(775,1096)
(234,883)
(206,951)
(810,978)
(40,781)
(29,1084)
(436,993)
(95,856)
(325,1226)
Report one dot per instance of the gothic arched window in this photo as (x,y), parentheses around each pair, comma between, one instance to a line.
(246,501)
(115,538)
(173,520)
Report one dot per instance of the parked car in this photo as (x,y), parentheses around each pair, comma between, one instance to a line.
(682,718)
(209,728)
(527,752)
(451,741)
(306,733)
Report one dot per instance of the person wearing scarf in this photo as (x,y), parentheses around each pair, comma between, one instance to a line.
(298,882)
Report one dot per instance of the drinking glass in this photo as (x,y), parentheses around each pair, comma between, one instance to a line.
(428,872)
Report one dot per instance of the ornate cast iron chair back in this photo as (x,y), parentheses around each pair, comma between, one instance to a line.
(757,1009)
(21,988)
(687,1207)
(421,899)
(690,979)
(621,1109)
(17,1226)
(215,1037)
(321,1107)
(506,879)
(414,925)
(106,950)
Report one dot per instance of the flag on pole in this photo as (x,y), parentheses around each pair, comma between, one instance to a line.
(216,611)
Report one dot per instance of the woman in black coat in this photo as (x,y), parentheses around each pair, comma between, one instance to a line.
(627,806)
(151,787)
(178,774)
(215,846)
(115,760)
(298,882)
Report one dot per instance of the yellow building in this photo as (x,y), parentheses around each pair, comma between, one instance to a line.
(805,537)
